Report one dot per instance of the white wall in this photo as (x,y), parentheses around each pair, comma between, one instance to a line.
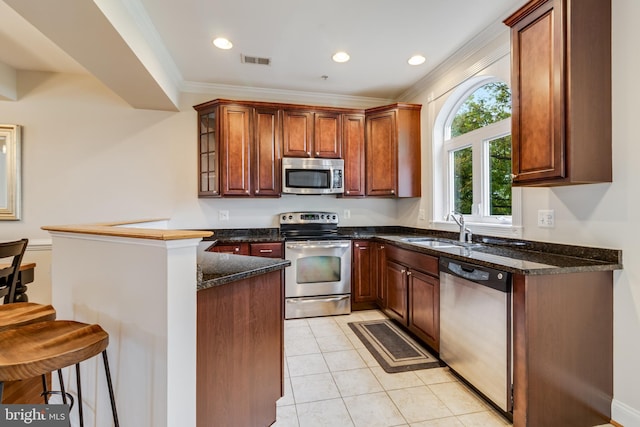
(602,215)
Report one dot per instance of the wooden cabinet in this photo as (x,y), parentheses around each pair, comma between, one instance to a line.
(413,293)
(208,179)
(308,133)
(568,316)
(267,250)
(267,173)
(354,157)
(392,150)
(231,248)
(240,351)
(424,303)
(263,249)
(235,150)
(396,287)
(242,141)
(561,92)
(379,265)
(363,285)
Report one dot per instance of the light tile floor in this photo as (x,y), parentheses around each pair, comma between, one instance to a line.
(332,380)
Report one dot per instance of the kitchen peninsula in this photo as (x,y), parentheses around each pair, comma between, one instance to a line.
(139,281)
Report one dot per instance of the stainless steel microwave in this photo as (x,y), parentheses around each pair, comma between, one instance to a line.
(312,176)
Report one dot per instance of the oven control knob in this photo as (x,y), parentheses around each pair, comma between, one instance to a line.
(499,275)
(334,217)
(290,217)
(284,217)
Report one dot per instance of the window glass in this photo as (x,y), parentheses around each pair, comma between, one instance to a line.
(462,180)
(500,176)
(488,104)
(478,148)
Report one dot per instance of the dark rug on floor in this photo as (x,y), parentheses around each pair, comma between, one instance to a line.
(394,350)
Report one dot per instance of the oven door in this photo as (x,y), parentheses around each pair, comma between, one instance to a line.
(318,267)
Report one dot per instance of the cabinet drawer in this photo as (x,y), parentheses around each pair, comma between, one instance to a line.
(268,250)
(415,260)
(236,249)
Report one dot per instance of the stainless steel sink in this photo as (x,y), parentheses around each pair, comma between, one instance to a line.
(437,242)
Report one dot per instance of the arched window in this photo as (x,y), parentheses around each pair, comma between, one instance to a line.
(475,152)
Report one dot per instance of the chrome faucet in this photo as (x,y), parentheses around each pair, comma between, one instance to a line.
(465,233)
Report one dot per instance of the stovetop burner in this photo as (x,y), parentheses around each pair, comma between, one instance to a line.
(309,225)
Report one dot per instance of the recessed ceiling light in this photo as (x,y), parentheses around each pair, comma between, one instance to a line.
(416,60)
(222,43)
(340,57)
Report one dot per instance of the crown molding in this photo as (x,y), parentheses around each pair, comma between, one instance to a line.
(283,95)
(490,45)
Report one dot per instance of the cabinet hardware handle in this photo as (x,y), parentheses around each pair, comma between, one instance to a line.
(381,247)
(317,153)
(266,251)
(513,176)
(347,192)
(237,249)
(357,245)
(403,271)
(362,248)
(393,191)
(408,273)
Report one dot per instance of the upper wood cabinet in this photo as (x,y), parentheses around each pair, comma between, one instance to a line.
(392,151)
(310,133)
(561,92)
(243,142)
(353,152)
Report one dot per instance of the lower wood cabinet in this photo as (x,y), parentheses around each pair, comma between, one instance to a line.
(363,280)
(263,249)
(240,351)
(413,293)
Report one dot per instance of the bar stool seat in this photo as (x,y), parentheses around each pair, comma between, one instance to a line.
(24,313)
(42,347)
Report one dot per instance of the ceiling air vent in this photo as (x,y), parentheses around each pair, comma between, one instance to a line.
(245,59)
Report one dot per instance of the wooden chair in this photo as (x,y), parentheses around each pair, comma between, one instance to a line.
(13,253)
(39,348)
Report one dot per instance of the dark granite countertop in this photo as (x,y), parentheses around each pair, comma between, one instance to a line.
(215,269)
(512,255)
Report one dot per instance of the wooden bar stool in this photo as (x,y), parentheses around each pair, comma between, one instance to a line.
(24,313)
(43,347)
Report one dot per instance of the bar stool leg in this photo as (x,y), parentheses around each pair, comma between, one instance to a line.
(80,414)
(110,385)
(61,381)
(45,389)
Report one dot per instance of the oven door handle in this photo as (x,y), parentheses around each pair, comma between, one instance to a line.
(318,245)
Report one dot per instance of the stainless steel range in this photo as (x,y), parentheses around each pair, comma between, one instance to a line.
(318,282)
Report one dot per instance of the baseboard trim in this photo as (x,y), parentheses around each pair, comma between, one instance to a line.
(624,415)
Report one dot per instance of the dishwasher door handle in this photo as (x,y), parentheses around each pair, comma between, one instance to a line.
(469,274)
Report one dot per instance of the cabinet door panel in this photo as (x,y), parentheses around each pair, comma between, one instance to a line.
(327,137)
(353,151)
(267,153)
(297,133)
(235,148)
(538,141)
(396,292)
(424,307)
(381,154)
(363,286)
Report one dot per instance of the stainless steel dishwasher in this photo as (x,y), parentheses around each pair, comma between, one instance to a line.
(475,327)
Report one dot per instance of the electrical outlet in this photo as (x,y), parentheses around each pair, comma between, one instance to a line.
(223,215)
(546,218)
(422,215)
(346,214)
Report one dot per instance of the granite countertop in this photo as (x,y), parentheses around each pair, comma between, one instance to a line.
(520,257)
(511,255)
(215,269)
